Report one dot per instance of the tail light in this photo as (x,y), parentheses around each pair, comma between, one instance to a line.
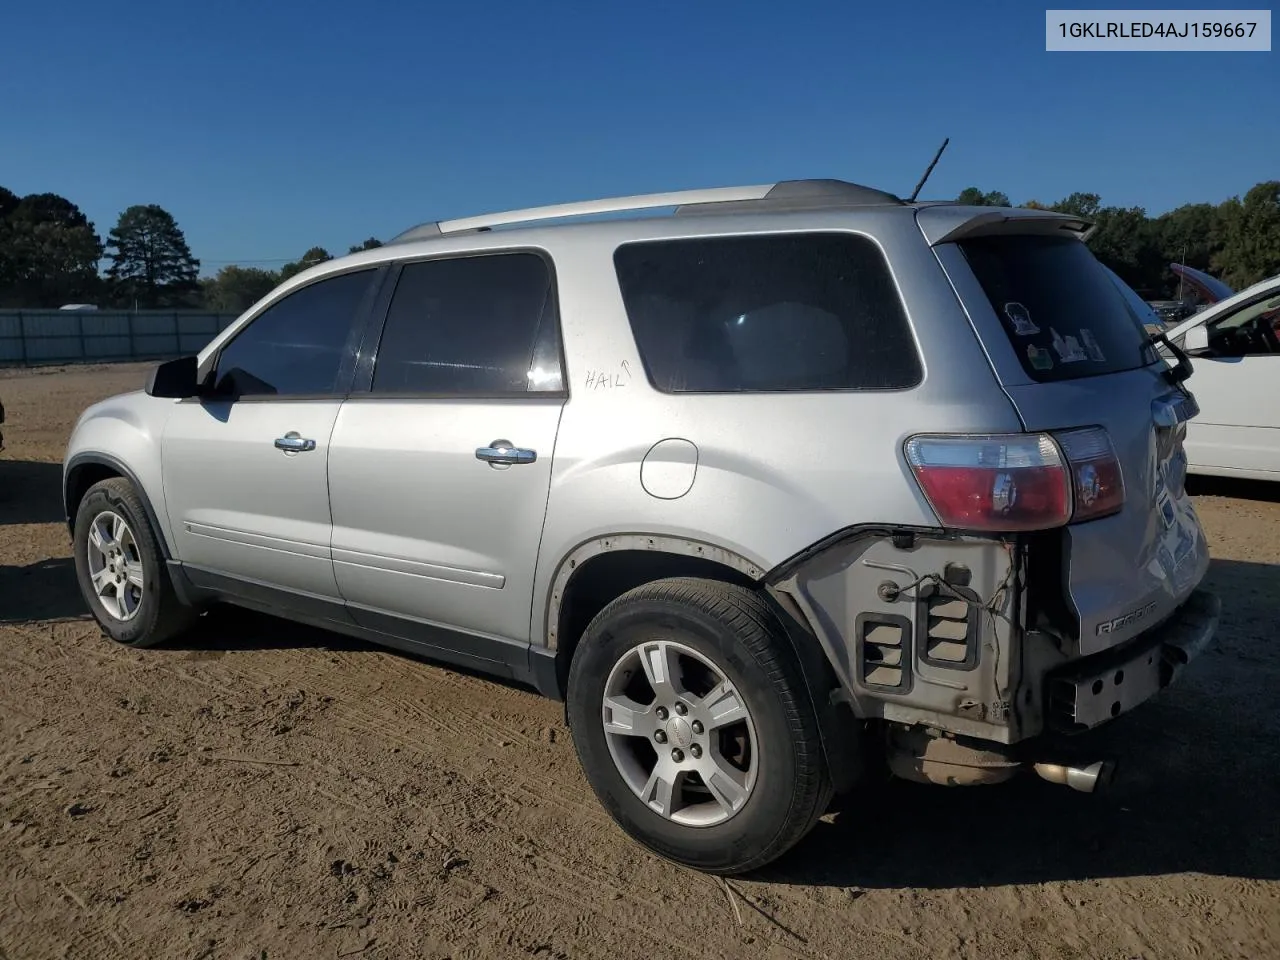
(1097,486)
(995,483)
(1017,482)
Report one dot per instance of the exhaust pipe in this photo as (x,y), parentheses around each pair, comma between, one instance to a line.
(1090,779)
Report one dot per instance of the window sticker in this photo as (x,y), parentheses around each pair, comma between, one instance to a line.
(1039,359)
(1020,317)
(1091,346)
(1069,349)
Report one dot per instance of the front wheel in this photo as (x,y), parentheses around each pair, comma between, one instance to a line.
(694,727)
(121,570)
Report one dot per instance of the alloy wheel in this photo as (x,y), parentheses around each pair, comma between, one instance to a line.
(115,565)
(680,733)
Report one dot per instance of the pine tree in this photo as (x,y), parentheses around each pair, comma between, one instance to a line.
(151,264)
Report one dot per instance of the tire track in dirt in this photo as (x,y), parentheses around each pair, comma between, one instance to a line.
(388,714)
(418,712)
(384,713)
(486,806)
(375,722)
(376,718)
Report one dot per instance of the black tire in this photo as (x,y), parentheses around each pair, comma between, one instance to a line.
(161,615)
(737,630)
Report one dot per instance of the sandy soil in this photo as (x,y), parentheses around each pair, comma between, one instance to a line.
(262,790)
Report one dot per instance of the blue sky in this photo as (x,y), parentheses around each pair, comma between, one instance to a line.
(266,128)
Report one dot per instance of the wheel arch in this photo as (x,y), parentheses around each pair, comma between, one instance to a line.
(631,559)
(599,570)
(85,469)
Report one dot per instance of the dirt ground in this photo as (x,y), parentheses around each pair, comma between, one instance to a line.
(262,790)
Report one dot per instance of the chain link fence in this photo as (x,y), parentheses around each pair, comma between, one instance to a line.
(31,338)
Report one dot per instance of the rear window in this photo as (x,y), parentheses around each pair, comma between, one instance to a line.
(1061,311)
(786,312)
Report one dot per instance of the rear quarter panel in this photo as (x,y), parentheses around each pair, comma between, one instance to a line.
(774,472)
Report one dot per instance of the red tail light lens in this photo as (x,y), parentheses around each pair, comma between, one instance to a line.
(1002,484)
(1096,480)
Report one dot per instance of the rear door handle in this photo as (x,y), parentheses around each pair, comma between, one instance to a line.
(502,453)
(291,442)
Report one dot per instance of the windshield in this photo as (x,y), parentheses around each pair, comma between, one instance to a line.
(1066,318)
(1267,309)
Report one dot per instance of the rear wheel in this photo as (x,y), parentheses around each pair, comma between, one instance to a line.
(120,568)
(694,727)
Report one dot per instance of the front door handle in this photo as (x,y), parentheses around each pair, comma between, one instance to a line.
(292,442)
(502,453)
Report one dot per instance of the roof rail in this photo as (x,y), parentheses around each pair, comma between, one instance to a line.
(790,195)
(781,196)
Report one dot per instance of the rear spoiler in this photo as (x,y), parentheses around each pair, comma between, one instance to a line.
(947,223)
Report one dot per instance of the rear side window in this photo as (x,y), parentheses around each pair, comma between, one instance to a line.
(472,326)
(1064,315)
(771,313)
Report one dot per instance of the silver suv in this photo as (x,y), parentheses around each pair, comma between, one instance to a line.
(801,481)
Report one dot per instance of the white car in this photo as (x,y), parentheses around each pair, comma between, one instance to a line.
(1234,346)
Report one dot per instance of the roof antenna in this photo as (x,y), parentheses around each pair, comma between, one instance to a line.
(916,192)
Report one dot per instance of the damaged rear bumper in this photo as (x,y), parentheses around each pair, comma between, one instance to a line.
(1088,692)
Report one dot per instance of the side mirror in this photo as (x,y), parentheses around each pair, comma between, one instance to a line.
(1195,342)
(175,379)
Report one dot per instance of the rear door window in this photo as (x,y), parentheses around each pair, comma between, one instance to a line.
(1064,316)
(767,313)
(474,326)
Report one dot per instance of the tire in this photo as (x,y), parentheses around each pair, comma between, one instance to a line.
(728,630)
(157,614)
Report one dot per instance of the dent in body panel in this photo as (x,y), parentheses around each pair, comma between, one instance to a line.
(1167,565)
(1153,550)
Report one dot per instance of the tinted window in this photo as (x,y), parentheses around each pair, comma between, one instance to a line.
(296,346)
(767,313)
(1250,330)
(478,326)
(1061,311)
(1141,310)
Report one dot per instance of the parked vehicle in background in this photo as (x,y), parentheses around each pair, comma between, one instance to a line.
(1207,288)
(801,479)
(1169,312)
(1235,349)
(80,307)
(1197,290)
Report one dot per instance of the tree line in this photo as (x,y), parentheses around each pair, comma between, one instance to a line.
(51,254)
(234,289)
(1237,241)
